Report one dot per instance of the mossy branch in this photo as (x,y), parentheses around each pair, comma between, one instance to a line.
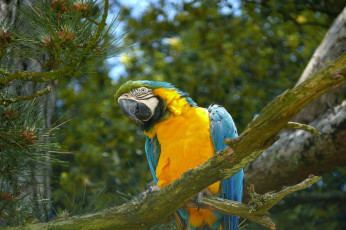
(262,203)
(259,134)
(258,207)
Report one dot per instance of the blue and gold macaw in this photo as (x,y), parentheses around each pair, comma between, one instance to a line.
(181,136)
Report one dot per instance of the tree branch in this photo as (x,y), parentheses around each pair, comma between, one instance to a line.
(259,135)
(258,207)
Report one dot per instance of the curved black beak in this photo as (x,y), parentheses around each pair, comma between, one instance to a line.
(138,112)
(129,108)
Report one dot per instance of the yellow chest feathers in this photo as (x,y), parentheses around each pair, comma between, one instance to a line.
(185,141)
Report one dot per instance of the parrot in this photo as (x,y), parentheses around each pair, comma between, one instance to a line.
(180,136)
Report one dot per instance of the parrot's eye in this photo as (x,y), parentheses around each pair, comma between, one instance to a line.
(141,93)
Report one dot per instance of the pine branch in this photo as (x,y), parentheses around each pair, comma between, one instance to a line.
(97,36)
(259,135)
(8,101)
(34,76)
(53,46)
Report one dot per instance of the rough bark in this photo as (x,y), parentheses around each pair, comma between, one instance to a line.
(259,135)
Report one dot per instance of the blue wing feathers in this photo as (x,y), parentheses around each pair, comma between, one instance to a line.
(221,127)
(153,150)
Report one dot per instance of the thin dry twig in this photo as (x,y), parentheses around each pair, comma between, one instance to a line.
(307,128)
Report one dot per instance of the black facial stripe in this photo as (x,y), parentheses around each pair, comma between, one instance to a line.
(145,97)
(158,114)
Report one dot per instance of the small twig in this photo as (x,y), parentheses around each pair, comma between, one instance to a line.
(7,101)
(307,128)
(60,152)
(92,20)
(278,196)
(60,125)
(178,220)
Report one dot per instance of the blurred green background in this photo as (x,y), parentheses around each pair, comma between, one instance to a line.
(239,54)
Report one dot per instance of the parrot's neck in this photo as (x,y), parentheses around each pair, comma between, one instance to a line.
(175,104)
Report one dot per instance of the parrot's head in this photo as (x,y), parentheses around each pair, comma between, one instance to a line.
(148,102)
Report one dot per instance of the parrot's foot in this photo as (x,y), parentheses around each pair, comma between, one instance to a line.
(200,195)
(149,191)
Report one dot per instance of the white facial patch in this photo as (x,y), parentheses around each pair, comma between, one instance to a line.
(151,103)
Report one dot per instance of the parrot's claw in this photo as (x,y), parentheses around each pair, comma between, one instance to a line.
(200,196)
(149,191)
(199,199)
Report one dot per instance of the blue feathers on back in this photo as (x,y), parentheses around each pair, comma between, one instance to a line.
(221,127)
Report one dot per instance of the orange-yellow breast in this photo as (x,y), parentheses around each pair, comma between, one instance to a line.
(185,143)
